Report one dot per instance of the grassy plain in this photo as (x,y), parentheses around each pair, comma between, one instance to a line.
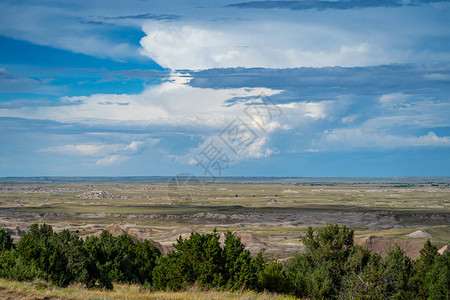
(38,290)
(274,210)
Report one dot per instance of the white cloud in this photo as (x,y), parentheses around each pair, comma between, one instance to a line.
(177,105)
(83,150)
(214,35)
(300,113)
(110,160)
(396,114)
(405,110)
(359,138)
(172,103)
(285,45)
(296,39)
(105,154)
(134,146)
(258,149)
(212,146)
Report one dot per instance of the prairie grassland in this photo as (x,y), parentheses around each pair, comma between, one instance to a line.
(42,290)
(275,211)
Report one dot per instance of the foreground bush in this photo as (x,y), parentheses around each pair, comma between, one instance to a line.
(200,260)
(63,258)
(332,266)
(6,242)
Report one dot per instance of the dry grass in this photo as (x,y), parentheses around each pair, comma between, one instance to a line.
(42,290)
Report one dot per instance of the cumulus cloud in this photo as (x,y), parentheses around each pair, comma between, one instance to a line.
(297,39)
(105,154)
(172,103)
(179,36)
(177,104)
(224,156)
(196,46)
(258,149)
(398,118)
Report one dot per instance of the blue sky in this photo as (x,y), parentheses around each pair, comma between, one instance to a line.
(225,88)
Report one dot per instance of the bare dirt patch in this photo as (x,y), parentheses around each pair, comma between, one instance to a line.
(419,234)
(382,245)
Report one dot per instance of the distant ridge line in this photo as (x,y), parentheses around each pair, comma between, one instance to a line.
(429,180)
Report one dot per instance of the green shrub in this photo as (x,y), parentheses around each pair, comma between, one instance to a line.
(41,249)
(6,241)
(239,271)
(331,267)
(273,278)
(422,267)
(319,271)
(438,279)
(397,272)
(201,261)
(119,259)
(64,258)
(367,281)
(197,260)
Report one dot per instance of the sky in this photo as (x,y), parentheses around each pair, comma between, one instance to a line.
(225,88)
